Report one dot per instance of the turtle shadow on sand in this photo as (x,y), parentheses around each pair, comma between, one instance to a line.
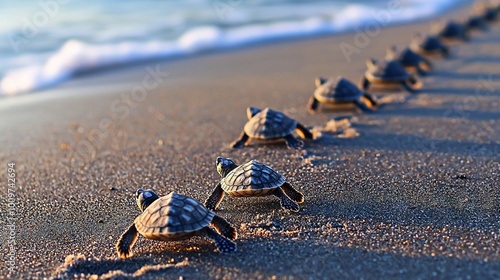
(407,142)
(469,76)
(315,257)
(253,205)
(482,59)
(303,258)
(407,212)
(486,40)
(454,91)
(442,113)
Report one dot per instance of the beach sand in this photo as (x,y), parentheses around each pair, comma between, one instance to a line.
(416,195)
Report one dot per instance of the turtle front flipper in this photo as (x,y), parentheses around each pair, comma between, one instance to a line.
(371,99)
(364,84)
(241,141)
(292,193)
(445,51)
(224,228)
(215,198)
(126,242)
(412,84)
(303,132)
(424,67)
(286,202)
(366,103)
(312,106)
(292,142)
(223,244)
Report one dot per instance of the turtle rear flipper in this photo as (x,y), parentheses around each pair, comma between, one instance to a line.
(364,105)
(370,99)
(126,242)
(293,143)
(364,84)
(285,201)
(304,132)
(424,67)
(215,198)
(241,141)
(312,106)
(223,244)
(367,102)
(224,228)
(292,193)
(412,84)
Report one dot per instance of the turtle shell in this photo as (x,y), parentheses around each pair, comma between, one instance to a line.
(490,13)
(173,217)
(337,90)
(389,71)
(476,22)
(409,58)
(251,179)
(452,30)
(430,43)
(268,124)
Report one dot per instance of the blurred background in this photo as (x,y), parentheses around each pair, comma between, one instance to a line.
(49,41)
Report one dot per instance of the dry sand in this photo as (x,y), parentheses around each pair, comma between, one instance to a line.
(415,195)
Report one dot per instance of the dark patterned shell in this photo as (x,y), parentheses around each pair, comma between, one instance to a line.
(173,217)
(389,71)
(431,43)
(409,58)
(476,22)
(251,179)
(491,13)
(339,89)
(268,124)
(452,30)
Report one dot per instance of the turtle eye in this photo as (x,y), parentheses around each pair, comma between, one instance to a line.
(219,160)
(138,192)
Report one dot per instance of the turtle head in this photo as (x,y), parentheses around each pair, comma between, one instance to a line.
(437,25)
(371,63)
(319,81)
(391,52)
(252,111)
(417,37)
(145,198)
(224,166)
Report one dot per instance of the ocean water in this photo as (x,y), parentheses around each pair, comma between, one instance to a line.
(46,42)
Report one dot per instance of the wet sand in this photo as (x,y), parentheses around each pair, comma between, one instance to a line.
(416,195)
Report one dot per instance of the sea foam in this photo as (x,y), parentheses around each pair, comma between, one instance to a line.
(75,56)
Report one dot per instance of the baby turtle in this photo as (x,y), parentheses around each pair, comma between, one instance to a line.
(488,12)
(411,60)
(340,91)
(269,124)
(452,30)
(252,179)
(388,73)
(175,217)
(431,45)
(476,23)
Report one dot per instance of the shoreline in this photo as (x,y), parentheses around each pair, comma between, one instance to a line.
(376,20)
(414,196)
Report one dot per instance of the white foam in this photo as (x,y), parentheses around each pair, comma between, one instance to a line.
(76,56)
